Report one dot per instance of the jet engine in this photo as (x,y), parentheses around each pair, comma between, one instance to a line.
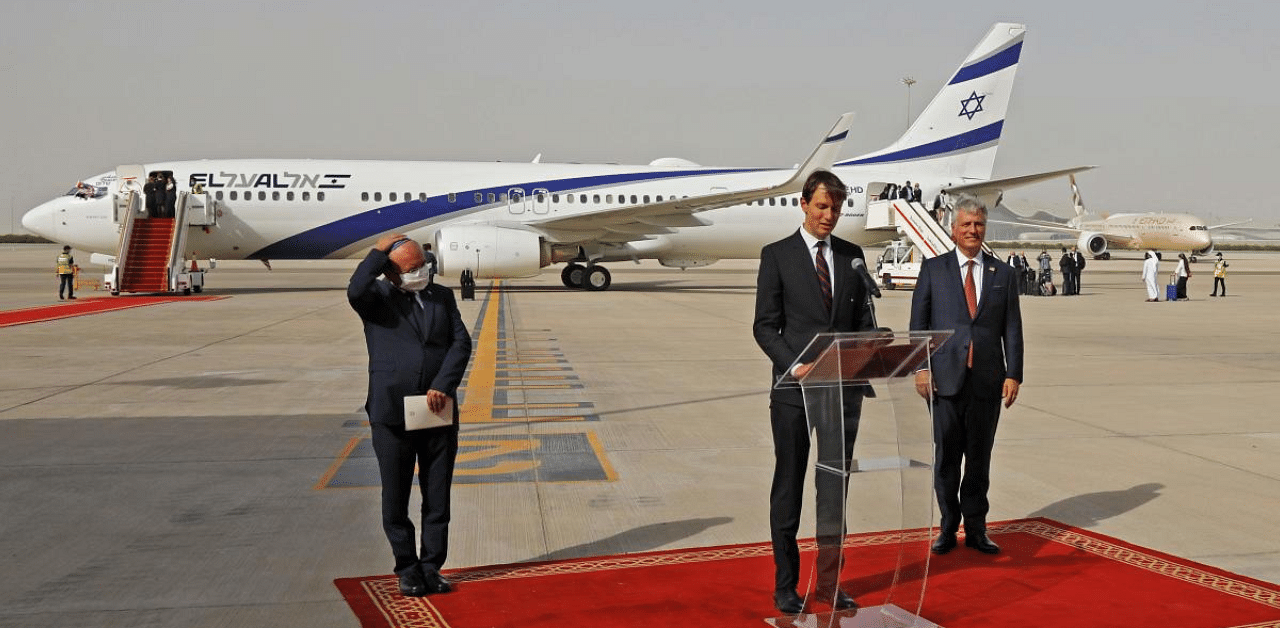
(490,252)
(1095,244)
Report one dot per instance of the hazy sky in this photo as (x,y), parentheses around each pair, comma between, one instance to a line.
(1176,102)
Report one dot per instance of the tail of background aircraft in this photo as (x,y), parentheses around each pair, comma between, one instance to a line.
(958,133)
(1077,201)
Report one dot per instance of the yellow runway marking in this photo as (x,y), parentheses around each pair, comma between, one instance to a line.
(484,363)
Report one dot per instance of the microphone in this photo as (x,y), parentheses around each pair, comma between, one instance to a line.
(860,268)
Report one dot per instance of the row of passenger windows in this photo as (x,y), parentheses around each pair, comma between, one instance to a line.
(262,195)
(492,197)
(541,197)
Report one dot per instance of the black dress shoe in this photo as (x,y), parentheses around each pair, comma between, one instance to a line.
(435,583)
(980,542)
(945,542)
(412,584)
(839,600)
(788,602)
(843,601)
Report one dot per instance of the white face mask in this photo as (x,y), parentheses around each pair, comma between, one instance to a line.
(415,281)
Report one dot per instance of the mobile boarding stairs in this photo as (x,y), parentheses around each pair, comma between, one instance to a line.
(150,255)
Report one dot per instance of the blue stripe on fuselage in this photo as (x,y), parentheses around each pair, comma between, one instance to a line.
(968,139)
(327,239)
(995,63)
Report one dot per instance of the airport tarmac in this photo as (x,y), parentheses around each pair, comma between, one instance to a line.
(206,463)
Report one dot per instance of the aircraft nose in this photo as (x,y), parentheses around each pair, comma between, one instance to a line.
(40,221)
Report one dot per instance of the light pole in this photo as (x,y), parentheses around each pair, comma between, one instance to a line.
(908,81)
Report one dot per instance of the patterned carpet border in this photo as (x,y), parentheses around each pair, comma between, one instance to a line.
(380,595)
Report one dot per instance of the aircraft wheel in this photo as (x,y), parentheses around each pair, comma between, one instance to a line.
(186,292)
(1106,256)
(198,289)
(572,275)
(1193,259)
(596,278)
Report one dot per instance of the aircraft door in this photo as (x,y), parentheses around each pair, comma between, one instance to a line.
(541,201)
(516,201)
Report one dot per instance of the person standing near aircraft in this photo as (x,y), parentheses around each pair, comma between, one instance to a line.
(976,368)
(1067,266)
(170,196)
(1028,274)
(1183,273)
(152,190)
(1079,266)
(806,286)
(66,270)
(1044,282)
(1150,272)
(418,346)
(1219,276)
(430,258)
(1015,261)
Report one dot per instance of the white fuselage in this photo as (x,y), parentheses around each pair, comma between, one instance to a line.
(1169,232)
(318,209)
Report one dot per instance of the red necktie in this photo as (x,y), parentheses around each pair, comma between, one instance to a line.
(824,276)
(971,297)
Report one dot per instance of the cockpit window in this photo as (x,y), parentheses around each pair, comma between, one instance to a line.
(84,190)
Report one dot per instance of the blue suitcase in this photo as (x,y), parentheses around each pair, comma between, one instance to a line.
(1171,292)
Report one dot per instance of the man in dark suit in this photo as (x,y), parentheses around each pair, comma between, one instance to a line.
(1067,266)
(975,295)
(417,345)
(1079,268)
(806,286)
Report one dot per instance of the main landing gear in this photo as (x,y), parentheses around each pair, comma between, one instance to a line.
(591,277)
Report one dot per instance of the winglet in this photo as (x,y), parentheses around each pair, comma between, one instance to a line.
(823,157)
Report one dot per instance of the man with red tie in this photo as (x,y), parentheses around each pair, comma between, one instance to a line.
(975,295)
(807,285)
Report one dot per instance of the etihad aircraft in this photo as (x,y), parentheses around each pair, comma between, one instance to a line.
(499,220)
(1134,231)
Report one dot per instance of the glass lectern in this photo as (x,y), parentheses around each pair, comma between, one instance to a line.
(874,440)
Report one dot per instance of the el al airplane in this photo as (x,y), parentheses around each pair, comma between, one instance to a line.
(501,220)
(1134,231)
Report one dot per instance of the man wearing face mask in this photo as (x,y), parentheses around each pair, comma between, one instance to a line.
(417,345)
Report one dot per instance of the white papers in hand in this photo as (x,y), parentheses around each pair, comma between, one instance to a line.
(418,415)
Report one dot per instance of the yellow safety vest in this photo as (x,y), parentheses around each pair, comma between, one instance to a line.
(65,264)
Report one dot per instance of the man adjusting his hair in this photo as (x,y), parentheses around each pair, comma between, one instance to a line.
(418,347)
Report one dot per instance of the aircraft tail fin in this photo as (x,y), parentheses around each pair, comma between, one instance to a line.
(1077,201)
(958,132)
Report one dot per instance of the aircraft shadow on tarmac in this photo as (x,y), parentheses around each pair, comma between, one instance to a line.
(1087,510)
(643,538)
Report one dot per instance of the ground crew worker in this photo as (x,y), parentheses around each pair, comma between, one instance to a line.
(66,273)
(1220,276)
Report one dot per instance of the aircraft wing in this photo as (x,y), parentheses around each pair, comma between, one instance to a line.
(640,222)
(996,186)
(1230,224)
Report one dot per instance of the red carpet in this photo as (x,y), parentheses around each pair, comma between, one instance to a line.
(86,305)
(1048,575)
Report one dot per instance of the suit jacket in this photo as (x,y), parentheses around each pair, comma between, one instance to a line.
(409,353)
(996,332)
(789,310)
